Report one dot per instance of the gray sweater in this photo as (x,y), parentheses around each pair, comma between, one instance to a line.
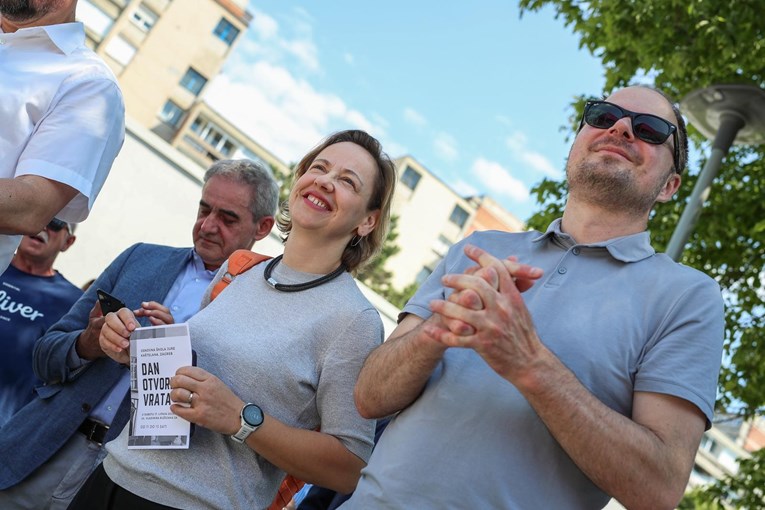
(297,355)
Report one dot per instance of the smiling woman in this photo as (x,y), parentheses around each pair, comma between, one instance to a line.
(347,159)
(278,353)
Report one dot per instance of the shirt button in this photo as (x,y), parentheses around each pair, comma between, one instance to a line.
(108,408)
(576,251)
(175,307)
(562,270)
(85,408)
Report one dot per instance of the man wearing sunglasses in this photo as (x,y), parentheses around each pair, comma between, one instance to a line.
(558,369)
(62,120)
(33,296)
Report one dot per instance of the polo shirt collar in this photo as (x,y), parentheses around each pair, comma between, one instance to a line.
(631,248)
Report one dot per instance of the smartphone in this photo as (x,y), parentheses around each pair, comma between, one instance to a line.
(108,302)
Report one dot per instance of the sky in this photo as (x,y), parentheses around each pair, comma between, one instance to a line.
(472,91)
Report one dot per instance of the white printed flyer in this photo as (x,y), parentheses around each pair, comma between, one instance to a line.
(156,353)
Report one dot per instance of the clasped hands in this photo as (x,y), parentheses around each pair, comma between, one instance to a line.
(486,313)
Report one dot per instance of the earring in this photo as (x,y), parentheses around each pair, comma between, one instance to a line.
(356,240)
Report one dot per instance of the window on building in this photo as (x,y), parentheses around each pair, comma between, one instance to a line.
(120,50)
(410,178)
(197,125)
(171,113)
(193,81)
(459,216)
(143,17)
(214,136)
(226,31)
(227,147)
(93,17)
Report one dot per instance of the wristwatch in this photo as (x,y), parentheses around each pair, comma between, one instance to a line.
(252,418)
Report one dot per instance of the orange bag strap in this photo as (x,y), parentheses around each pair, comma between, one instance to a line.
(289,487)
(238,262)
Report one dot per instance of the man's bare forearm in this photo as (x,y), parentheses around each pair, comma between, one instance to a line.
(28,202)
(395,373)
(643,461)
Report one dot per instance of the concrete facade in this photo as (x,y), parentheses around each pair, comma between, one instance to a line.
(205,136)
(163,52)
(432,217)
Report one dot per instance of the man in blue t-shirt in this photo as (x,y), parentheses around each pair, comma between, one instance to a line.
(33,296)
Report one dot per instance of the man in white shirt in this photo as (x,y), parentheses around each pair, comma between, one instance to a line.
(62,119)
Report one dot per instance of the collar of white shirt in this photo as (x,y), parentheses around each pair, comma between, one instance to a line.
(66,36)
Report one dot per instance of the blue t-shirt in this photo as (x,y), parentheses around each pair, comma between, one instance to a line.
(29,305)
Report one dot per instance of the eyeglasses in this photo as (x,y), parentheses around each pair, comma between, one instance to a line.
(57,225)
(649,128)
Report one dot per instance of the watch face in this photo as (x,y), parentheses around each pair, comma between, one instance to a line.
(252,415)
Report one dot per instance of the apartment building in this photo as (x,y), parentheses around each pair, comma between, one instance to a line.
(490,215)
(432,217)
(206,136)
(164,53)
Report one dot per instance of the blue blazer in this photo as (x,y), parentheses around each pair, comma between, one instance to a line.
(143,272)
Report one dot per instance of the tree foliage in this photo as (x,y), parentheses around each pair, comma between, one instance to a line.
(681,46)
(745,490)
(374,274)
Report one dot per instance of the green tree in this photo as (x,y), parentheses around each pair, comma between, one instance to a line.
(400,298)
(745,490)
(681,46)
(374,274)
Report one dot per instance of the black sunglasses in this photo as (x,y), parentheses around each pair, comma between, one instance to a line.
(649,128)
(58,225)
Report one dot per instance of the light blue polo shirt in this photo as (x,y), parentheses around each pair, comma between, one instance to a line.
(620,316)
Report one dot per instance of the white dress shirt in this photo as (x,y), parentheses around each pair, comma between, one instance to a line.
(61,115)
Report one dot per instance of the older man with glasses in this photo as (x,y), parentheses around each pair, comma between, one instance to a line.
(558,369)
(33,296)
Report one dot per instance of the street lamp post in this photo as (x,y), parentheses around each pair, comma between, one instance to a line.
(729,114)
